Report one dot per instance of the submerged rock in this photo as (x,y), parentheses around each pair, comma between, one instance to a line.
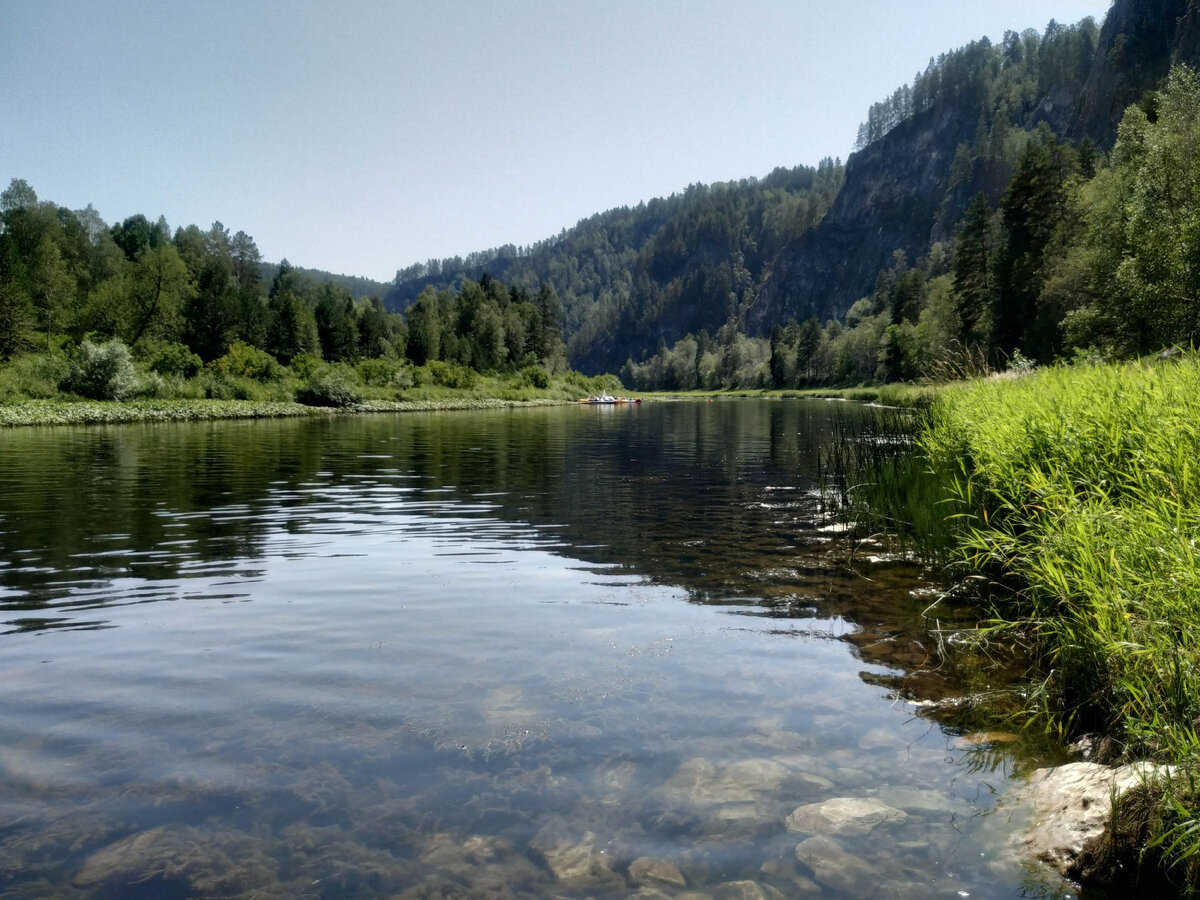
(574,860)
(844,816)
(1072,804)
(746,890)
(832,866)
(664,871)
(702,782)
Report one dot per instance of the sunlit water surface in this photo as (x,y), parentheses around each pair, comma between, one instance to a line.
(565,652)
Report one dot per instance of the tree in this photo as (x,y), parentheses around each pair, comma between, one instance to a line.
(159,291)
(292,329)
(337,325)
(424,328)
(210,314)
(18,195)
(1157,261)
(16,310)
(1033,207)
(52,287)
(972,273)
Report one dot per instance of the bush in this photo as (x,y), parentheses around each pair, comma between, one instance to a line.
(451,375)
(535,376)
(331,386)
(245,361)
(306,365)
(102,372)
(35,377)
(219,386)
(175,359)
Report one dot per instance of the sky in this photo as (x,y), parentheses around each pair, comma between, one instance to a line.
(365,135)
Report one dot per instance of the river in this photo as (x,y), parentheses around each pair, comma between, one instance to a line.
(568,652)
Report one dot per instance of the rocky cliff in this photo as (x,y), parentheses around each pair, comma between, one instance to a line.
(900,192)
(1140,41)
(890,201)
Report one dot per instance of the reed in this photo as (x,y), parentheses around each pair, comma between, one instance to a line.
(1076,495)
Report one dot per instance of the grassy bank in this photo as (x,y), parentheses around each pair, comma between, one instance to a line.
(911,395)
(1075,492)
(94,384)
(93,412)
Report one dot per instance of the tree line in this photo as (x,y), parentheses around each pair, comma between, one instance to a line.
(67,275)
(1085,254)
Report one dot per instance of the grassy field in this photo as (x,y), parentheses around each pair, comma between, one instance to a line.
(1075,493)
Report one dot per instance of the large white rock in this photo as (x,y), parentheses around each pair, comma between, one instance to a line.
(843,815)
(1072,804)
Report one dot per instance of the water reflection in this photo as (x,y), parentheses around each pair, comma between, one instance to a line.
(449,655)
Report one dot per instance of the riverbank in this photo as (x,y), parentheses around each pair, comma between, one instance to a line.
(1073,497)
(899,394)
(95,412)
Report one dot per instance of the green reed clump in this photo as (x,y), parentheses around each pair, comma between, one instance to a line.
(874,483)
(1077,492)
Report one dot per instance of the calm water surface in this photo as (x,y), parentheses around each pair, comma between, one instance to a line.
(560,652)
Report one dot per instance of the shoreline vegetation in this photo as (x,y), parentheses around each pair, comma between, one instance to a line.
(1069,506)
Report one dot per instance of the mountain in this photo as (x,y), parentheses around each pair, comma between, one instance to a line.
(357,286)
(631,277)
(804,243)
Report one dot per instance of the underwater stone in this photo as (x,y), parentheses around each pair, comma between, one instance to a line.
(647,868)
(843,815)
(746,890)
(833,866)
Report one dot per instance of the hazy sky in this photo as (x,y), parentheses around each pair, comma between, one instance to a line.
(364,135)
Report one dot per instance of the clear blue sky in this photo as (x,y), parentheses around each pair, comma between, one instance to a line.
(364,135)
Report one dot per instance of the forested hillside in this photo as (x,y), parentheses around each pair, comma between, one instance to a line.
(630,277)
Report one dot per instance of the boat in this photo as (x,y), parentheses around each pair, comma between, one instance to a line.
(604,398)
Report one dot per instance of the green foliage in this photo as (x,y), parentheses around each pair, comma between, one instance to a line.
(535,376)
(33,377)
(174,359)
(383,373)
(244,361)
(451,375)
(102,372)
(305,365)
(332,385)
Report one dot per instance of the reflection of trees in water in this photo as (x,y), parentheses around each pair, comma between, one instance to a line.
(716,498)
(89,514)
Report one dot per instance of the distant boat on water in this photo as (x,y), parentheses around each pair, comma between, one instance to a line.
(606,399)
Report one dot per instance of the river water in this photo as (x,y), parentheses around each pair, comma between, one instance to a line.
(566,652)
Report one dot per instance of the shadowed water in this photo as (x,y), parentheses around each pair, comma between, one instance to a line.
(559,652)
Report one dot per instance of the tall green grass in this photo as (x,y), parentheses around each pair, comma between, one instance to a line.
(1075,491)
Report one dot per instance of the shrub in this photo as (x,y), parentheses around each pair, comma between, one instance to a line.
(102,372)
(451,375)
(535,376)
(219,386)
(34,377)
(175,359)
(306,365)
(330,386)
(245,361)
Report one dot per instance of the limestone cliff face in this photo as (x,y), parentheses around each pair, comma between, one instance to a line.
(1140,41)
(899,194)
(890,201)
